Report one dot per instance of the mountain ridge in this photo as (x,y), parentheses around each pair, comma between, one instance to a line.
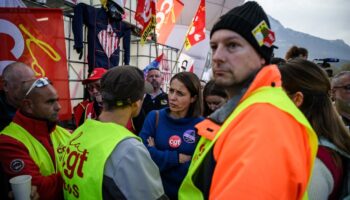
(316,46)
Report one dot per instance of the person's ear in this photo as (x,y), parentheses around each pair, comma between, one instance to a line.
(5,86)
(136,107)
(194,98)
(333,95)
(298,98)
(262,61)
(27,106)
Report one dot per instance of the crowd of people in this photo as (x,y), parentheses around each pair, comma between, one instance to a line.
(261,128)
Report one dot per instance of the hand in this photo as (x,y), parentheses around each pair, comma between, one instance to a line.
(80,52)
(34,195)
(151,142)
(184,158)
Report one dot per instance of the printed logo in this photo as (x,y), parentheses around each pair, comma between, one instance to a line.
(17,165)
(72,163)
(189,136)
(263,35)
(174,141)
(199,153)
(163,102)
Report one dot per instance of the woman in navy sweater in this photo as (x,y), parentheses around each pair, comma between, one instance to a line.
(169,133)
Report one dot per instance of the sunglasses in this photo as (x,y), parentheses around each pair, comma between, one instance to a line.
(345,87)
(38,83)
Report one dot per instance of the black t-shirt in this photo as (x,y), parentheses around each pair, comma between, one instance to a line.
(7,112)
(149,104)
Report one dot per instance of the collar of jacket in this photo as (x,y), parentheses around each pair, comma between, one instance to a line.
(36,127)
(266,76)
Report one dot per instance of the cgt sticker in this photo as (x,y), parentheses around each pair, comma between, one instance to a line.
(17,165)
(174,141)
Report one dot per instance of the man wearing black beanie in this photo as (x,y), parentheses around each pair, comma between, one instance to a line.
(258,145)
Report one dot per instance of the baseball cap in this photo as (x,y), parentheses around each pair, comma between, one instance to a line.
(96,74)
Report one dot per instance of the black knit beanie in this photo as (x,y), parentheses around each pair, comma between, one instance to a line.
(246,20)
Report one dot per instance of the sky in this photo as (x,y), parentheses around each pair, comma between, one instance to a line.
(327,19)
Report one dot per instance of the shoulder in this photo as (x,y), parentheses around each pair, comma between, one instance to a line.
(129,150)
(261,113)
(6,141)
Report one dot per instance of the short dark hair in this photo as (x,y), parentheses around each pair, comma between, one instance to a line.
(153,68)
(121,86)
(192,83)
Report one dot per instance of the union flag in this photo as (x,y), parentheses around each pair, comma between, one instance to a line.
(35,36)
(197,27)
(146,17)
(168,11)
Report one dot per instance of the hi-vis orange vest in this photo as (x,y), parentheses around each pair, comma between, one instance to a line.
(264,95)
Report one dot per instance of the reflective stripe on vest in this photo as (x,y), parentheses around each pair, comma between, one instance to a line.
(272,95)
(36,150)
(85,156)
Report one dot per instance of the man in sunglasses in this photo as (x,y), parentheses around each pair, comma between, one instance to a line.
(341,95)
(92,107)
(30,143)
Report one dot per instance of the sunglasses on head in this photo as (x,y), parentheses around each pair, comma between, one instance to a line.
(38,83)
(345,87)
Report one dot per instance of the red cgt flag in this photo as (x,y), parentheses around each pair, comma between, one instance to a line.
(35,36)
(197,30)
(146,16)
(167,14)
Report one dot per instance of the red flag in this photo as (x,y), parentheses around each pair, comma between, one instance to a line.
(167,14)
(36,37)
(197,31)
(146,16)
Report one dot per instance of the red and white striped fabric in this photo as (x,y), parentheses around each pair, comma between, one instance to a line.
(109,40)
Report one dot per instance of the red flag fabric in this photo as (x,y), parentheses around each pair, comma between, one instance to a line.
(146,16)
(197,31)
(35,36)
(168,11)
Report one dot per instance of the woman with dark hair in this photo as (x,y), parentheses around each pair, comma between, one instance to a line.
(309,88)
(169,133)
(214,97)
(297,52)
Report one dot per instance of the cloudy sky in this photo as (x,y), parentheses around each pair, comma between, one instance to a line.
(328,19)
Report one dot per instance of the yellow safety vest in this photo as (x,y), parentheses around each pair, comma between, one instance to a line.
(271,95)
(36,150)
(85,156)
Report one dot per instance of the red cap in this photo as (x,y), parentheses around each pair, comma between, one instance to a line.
(95,75)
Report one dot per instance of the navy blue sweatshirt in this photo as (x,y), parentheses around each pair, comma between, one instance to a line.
(172,136)
(97,20)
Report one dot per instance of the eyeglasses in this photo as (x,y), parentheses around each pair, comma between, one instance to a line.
(38,83)
(93,86)
(345,87)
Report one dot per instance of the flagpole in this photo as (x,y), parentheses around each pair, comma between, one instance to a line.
(183,45)
(155,39)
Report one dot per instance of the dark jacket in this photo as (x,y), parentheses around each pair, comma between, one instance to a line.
(97,20)
(7,112)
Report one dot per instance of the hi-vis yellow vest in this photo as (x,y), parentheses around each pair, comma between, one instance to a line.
(85,156)
(36,150)
(271,95)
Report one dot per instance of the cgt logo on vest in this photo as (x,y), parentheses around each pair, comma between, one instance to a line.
(73,163)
